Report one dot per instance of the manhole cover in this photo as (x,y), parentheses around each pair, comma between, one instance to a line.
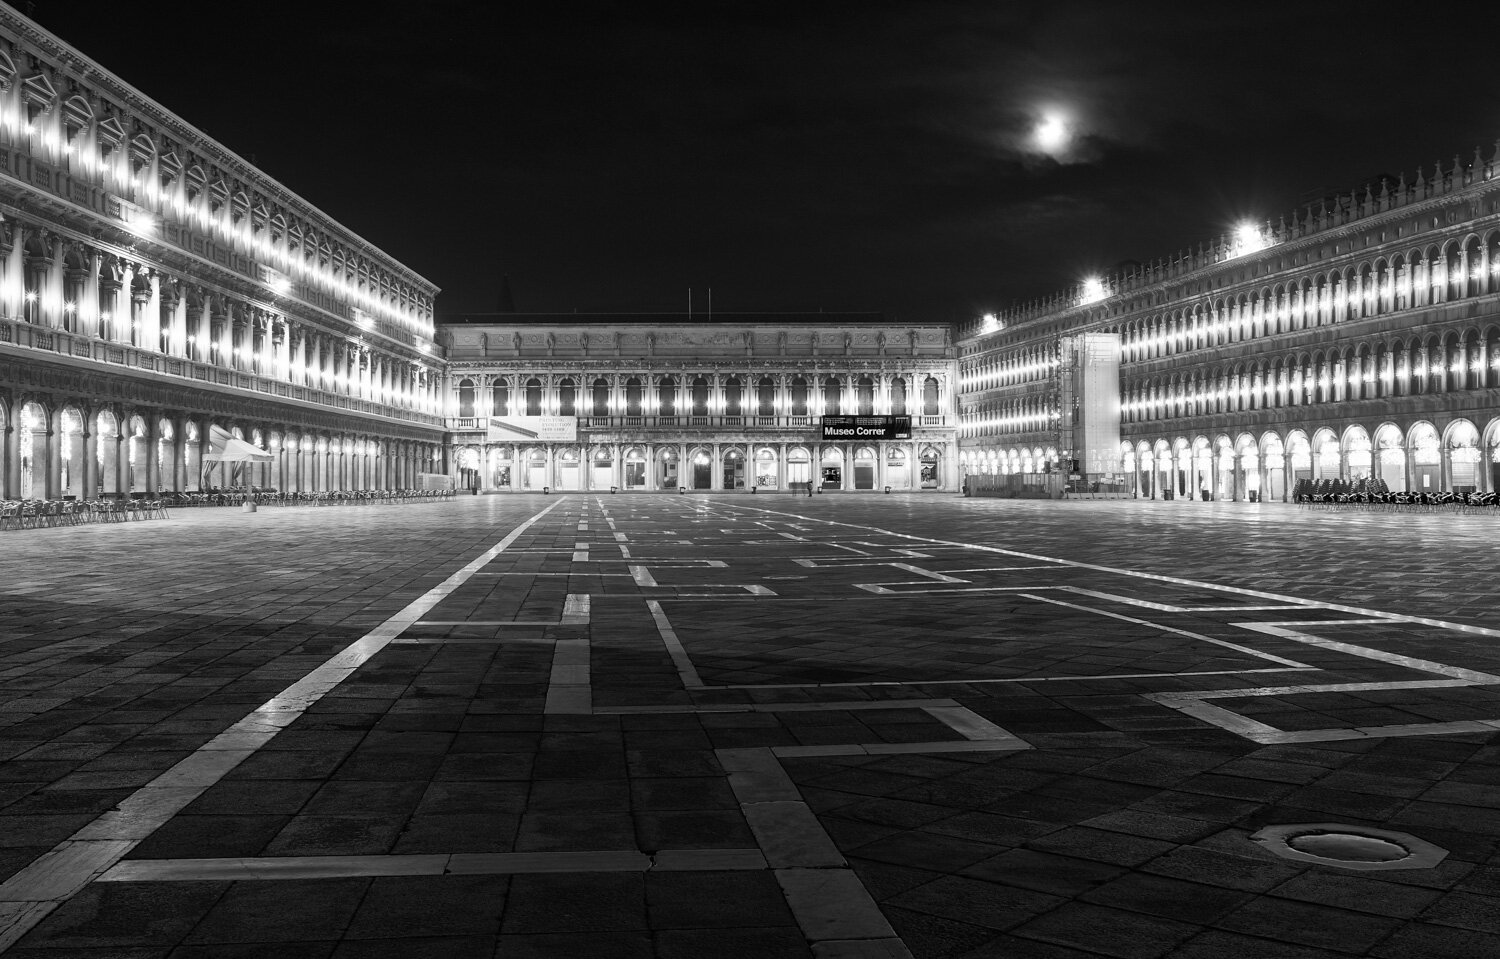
(1349,847)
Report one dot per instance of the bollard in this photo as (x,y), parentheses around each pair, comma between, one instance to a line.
(546,491)
(613,490)
(887,489)
(681,490)
(752,490)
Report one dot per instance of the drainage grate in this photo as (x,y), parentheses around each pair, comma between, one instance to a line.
(1343,846)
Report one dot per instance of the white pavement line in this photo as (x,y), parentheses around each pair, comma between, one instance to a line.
(62,872)
(1172,607)
(577,609)
(832,904)
(276,868)
(826,898)
(686,671)
(488,622)
(1395,659)
(642,576)
(1308,688)
(1269,657)
(1194,703)
(1019,679)
(1137,574)
(535,574)
(569,688)
(972,726)
(1001,569)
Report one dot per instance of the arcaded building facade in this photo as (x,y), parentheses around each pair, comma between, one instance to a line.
(154,285)
(732,404)
(1358,339)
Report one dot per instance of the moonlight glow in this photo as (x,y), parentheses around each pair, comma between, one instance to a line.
(1051,134)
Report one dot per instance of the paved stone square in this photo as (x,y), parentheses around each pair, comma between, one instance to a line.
(678,726)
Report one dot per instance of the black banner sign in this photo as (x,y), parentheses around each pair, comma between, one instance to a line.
(866,427)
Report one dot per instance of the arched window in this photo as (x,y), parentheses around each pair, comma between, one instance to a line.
(533,397)
(930,397)
(667,396)
(799,397)
(500,398)
(700,396)
(866,396)
(465,397)
(567,396)
(633,396)
(601,397)
(832,394)
(733,396)
(898,397)
(766,397)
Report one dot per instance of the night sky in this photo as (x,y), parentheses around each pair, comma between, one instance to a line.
(836,156)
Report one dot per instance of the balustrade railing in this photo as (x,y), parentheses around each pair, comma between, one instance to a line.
(65,343)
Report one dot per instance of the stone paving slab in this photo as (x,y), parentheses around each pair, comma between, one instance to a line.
(668,726)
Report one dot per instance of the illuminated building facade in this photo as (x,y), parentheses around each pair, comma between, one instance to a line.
(660,402)
(153,285)
(1358,339)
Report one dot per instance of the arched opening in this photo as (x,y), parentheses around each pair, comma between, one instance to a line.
(733,468)
(534,467)
(1358,454)
(668,464)
(798,468)
(1390,458)
(635,468)
(600,405)
(765,397)
(703,469)
(633,394)
(137,454)
(765,468)
(500,467)
(1426,457)
(465,398)
(831,468)
(932,462)
(500,398)
(71,450)
(567,397)
(166,460)
(865,396)
(864,467)
(533,397)
(1462,443)
(569,473)
(1274,454)
(469,462)
(1327,463)
(603,463)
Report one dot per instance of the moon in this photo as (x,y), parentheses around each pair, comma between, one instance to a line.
(1052,134)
